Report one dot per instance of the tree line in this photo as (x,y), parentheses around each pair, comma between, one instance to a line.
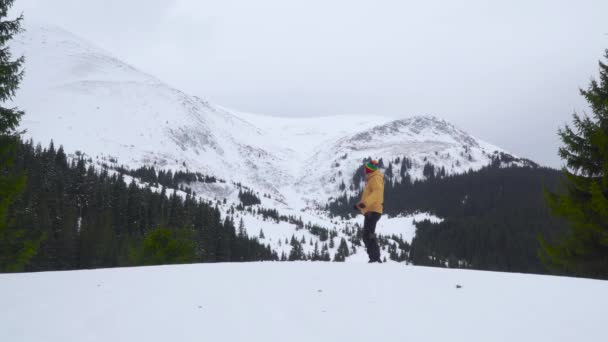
(491,217)
(85,218)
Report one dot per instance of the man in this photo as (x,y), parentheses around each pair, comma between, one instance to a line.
(371,206)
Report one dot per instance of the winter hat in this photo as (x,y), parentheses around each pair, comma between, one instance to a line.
(371,166)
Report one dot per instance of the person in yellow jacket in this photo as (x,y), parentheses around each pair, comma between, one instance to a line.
(371,206)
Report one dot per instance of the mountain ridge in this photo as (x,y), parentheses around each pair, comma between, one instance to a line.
(92,101)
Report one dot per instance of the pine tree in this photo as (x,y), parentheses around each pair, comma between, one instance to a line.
(11,72)
(297,252)
(389,171)
(242,232)
(343,251)
(15,249)
(315,255)
(584,204)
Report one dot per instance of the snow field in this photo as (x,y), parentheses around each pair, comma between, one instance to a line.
(302,301)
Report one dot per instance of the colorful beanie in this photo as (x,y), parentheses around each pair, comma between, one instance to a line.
(371,166)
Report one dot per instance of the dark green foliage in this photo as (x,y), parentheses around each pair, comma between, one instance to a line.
(343,252)
(164,246)
(491,217)
(91,219)
(168,179)
(316,254)
(270,214)
(297,251)
(406,165)
(321,232)
(584,203)
(242,231)
(325,253)
(388,173)
(16,246)
(248,198)
(398,250)
(11,72)
(430,171)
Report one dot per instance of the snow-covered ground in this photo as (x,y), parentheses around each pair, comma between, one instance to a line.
(301,301)
(403,226)
(275,234)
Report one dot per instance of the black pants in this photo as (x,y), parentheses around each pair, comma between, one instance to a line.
(369,236)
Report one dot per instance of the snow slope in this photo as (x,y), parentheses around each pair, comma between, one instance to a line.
(299,302)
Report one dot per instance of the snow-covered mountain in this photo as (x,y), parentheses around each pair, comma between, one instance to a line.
(83,98)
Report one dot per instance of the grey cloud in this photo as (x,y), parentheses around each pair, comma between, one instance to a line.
(508,72)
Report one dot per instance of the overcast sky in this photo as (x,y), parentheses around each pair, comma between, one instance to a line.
(506,71)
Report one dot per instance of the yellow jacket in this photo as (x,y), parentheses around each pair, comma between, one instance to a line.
(373,194)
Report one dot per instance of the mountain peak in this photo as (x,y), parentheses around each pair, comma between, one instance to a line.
(418,128)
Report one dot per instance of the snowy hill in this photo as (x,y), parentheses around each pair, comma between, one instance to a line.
(87,100)
(83,98)
(79,96)
(299,302)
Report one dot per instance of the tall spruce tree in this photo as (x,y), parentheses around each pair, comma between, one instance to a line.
(11,72)
(15,249)
(584,204)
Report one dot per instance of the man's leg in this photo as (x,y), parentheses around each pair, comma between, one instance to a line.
(369,236)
